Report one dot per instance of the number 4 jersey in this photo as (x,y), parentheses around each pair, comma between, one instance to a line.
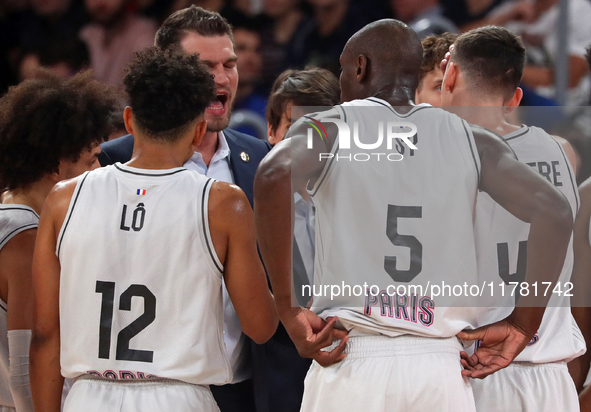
(502,252)
(392,216)
(141,284)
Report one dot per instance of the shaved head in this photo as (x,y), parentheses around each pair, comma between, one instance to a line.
(383,58)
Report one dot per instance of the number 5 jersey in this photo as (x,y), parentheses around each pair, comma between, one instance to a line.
(141,284)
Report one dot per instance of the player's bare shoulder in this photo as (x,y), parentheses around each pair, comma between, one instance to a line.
(227,200)
(58,201)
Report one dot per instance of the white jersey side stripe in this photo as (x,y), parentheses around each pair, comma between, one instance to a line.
(69,213)
(205,220)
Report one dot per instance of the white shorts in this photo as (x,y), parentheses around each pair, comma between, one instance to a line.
(525,387)
(383,374)
(92,394)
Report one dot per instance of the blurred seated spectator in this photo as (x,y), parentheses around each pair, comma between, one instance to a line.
(321,40)
(51,18)
(247,43)
(284,17)
(425,17)
(541,39)
(431,77)
(113,37)
(65,57)
(466,13)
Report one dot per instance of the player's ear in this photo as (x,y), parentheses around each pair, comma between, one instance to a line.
(127,120)
(361,70)
(271,135)
(450,77)
(200,129)
(515,100)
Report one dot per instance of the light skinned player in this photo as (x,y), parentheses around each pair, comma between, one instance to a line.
(145,245)
(434,49)
(483,73)
(50,130)
(380,70)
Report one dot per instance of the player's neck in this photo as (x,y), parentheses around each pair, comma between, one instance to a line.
(158,156)
(487,113)
(208,147)
(33,196)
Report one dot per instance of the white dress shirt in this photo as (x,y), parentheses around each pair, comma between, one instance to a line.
(237,350)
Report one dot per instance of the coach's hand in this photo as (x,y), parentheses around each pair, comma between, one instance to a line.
(500,343)
(310,334)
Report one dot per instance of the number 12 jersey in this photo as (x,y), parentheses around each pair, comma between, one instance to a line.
(140,282)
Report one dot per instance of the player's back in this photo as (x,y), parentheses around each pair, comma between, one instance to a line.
(384,222)
(502,251)
(140,285)
(14,219)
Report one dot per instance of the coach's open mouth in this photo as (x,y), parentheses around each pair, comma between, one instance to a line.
(218,106)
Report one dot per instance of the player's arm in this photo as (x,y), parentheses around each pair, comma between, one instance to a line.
(581,279)
(17,261)
(46,379)
(531,198)
(285,169)
(232,230)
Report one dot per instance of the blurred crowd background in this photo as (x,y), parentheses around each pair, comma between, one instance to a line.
(67,36)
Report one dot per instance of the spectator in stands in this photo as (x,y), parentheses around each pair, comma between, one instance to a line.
(431,77)
(65,57)
(541,38)
(321,40)
(249,100)
(424,16)
(114,35)
(285,17)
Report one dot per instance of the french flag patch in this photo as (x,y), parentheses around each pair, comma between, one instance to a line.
(141,192)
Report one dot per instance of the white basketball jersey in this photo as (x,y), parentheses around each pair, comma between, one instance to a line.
(14,219)
(384,222)
(141,284)
(502,251)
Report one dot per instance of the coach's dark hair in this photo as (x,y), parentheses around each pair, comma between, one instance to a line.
(588,55)
(434,49)
(167,91)
(49,119)
(311,87)
(492,58)
(192,19)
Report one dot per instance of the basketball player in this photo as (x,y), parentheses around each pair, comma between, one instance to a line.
(579,368)
(434,49)
(146,255)
(410,360)
(50,130)
(483,74)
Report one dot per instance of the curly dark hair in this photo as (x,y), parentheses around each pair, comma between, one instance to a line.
(167,91)
(49,119)
(434,49)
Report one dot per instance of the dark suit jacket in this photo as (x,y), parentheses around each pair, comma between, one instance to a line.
(278,370)
(120,150)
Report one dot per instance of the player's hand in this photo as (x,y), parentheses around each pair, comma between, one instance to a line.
(310,334)
(500,343)
(443,63)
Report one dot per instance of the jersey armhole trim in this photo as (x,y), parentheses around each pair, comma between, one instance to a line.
(16,231)
(570,174)
(69,213)
(205,223)
(312,190)
(472,145)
